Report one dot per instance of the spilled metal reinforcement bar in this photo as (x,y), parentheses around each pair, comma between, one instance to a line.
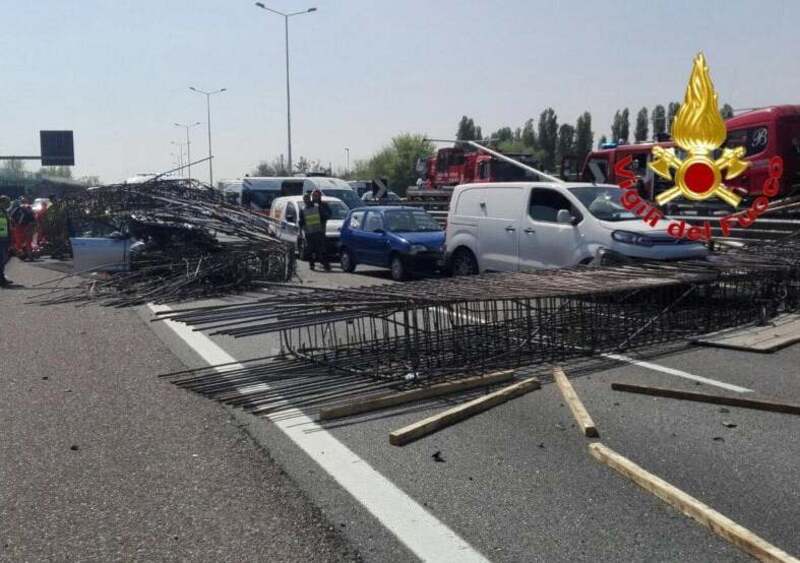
(352,342)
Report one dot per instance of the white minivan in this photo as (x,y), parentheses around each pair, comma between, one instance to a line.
(257,193)
(286,212)
(525,226)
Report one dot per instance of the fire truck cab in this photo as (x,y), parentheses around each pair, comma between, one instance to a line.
(763,133)
(453,166)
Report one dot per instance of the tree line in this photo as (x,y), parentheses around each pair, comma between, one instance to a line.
(547,141)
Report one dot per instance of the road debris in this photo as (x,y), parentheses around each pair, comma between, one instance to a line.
(575,405)
(724,527)
(757,404)
(184,242)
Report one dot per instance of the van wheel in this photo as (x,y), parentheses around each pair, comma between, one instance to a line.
(347,261)
(464,263)
(398,267)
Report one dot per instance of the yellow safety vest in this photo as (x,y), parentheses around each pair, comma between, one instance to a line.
(3,226)
(313,219)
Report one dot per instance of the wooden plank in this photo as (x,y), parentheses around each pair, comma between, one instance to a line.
(574,403)
(781,332)
(758,404)
(394,399)
(721,525)
(451,416)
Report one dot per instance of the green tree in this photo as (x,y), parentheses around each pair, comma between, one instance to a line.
(625,125)
(672,111)
(55,171)
(503,135)
(396,161)
(616,127)
(13,169)
(726,112)
(467,130)
(584,137)
(548,137)
(640,133)
(566,142)
(528,136)
(659,117)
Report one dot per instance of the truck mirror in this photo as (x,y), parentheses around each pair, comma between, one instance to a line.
(564,217)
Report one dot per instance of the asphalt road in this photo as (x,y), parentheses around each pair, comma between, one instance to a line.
(517,482)
(101,461)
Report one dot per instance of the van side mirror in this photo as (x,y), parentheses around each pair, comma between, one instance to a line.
(565,217)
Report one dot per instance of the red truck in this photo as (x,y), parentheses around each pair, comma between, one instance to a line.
(764,133)
(452,166)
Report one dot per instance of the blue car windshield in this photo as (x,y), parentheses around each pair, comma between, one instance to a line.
(410,221)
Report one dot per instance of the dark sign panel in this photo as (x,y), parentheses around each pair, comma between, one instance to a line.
(57,148)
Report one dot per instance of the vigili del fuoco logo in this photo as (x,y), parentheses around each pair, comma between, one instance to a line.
(700,132)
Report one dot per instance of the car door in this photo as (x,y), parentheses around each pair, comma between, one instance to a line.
(544,242)
(375,248)
(353,236)
(497,229)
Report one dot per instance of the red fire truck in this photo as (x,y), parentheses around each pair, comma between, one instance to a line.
(452,166)
(763,133)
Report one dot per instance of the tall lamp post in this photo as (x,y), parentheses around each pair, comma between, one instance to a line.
(188,126)
(179,156)
(347,161)
(288,98)
(208,111)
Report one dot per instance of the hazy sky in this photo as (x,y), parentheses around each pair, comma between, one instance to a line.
(117,72)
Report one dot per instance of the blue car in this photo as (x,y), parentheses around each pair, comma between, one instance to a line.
(403,239)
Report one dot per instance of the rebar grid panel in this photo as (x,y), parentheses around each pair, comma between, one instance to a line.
(347,343)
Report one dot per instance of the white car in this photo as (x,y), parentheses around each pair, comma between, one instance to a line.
(286,212)
(525,226)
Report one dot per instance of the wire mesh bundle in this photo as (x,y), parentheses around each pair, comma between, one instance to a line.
(189,244)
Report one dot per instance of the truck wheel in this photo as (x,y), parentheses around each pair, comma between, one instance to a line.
(464,263)
(347,261)
(398,267)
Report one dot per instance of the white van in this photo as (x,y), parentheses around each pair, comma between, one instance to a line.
(525,226)
(257,193)
(286,212)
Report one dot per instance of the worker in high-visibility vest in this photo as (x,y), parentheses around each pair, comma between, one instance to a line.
(313,218)
(5,239)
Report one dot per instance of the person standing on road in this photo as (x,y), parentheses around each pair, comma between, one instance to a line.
(313,218)
(23,225)
(5,239)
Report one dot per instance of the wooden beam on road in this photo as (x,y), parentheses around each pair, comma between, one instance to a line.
(456,414)
(758,404)
(721,525)
(404,397)
(574,403)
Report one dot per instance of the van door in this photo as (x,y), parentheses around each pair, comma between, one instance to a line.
(497,229)
(290,225)
(543,242)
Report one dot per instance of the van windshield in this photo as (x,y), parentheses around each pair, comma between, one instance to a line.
(349,197)
(338,209)
(603,203)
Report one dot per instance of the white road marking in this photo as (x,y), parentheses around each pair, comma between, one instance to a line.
(679,373)
(415,527)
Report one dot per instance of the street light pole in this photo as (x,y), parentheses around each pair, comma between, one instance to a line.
(347,161)
(188,126)
(208,111)
(288,96)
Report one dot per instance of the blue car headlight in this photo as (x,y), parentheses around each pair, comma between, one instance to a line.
(628,237)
